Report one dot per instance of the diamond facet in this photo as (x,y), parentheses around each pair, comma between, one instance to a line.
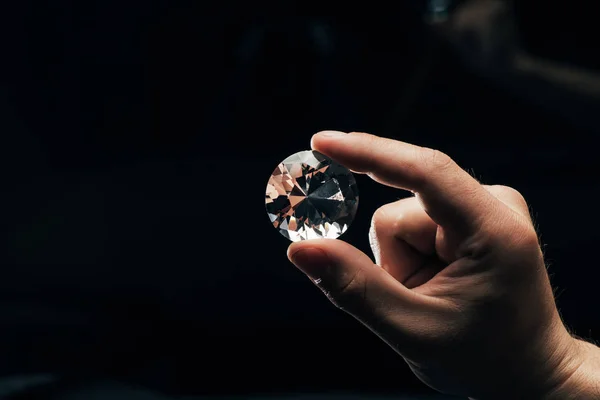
(310,196)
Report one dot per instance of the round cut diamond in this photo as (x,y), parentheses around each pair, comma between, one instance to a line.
(309,196)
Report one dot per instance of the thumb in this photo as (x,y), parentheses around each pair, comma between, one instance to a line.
(350,279)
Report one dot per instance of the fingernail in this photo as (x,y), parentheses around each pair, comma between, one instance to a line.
(332,133)
(313,262)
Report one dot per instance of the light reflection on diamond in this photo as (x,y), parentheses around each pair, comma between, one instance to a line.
(309,196)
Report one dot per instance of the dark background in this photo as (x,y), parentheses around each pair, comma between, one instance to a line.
(136,139)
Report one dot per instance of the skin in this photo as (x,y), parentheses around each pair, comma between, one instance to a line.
(459,288)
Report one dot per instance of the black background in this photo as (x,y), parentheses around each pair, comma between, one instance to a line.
(136,139)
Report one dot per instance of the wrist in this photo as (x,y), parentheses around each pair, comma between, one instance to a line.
(560,367)
(579,376)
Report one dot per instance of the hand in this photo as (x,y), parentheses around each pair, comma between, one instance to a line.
(460,289)
(484,33)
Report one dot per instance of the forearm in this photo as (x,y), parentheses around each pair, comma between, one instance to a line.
(571,92)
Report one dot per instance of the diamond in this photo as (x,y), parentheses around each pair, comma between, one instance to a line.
(309,196)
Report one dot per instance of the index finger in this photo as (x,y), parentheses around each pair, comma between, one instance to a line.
(452,197)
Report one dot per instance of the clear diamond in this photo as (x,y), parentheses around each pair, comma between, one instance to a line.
(309,196)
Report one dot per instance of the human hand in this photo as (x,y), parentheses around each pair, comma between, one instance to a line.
(461,290)
(484,34)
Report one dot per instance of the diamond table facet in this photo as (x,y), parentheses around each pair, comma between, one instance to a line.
(310,196)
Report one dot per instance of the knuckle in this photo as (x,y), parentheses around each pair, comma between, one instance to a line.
(519,236)
(521,248)
(429,161)
(511,233)
(436,160)
(391,217)
(525,235)
(384,218)
(379,218)
(510,193)
(512,197)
